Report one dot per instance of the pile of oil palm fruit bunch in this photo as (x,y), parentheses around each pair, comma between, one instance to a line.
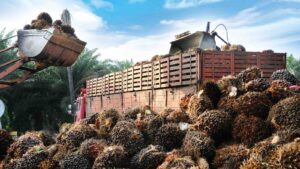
(242,121)
(44,21)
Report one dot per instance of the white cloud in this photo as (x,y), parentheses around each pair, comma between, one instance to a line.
(136,1)
(180,4)
(253,28)
(135,27)
(102,4)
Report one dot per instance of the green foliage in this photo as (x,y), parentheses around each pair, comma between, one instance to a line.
(41,101)
(293,65)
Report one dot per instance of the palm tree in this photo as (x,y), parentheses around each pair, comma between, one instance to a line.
(293,65)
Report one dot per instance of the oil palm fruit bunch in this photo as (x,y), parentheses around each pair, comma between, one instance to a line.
(249,129)
(278,90)
(30,160)
(198,144)
(198,104)
(249,74)
(5,141)
(148,158)
(231,156)
(77,134)
(92,147)
(74,161)
(152,127)
(113,156)
(106,121)
(169,136)
(285,75)
(212,90)
(254,103)
(258,85)
(229,86)
(176,159)
(177,116)
(64,128)
(229,105)
(125,133)
(131,113)
(184,102)
(20,147)
(216,123)
(286,113)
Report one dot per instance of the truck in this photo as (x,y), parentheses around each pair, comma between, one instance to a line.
(160,83)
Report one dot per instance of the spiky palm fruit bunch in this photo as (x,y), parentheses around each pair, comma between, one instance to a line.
(169,136)
(287,155)
(253,162)
(142,121)
(148,158)
(125,133)
(92,147)
(30,160)
(286,113)
(284,75)
(198,144)
(152,127)
(77,134)
(112,157)
(198,104)
(231,156)
(34,156)
(278,90)
(229,86)
(175,159)
(258,85)
(184,102)
(91,119)
(74,161)
(229,105)
(254,103)
(18,148)
(106,121)
(249,129)
(212,90)
(5,141)
(177,116)
(216,123)
(249,74)
(44,136)
(262,150)
(56,153)
(131,113)
(64,128)
(165,112)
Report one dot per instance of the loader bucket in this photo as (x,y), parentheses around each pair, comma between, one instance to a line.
(198,39)
(49,46)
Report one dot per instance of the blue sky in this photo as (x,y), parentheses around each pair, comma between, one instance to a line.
(139,29)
